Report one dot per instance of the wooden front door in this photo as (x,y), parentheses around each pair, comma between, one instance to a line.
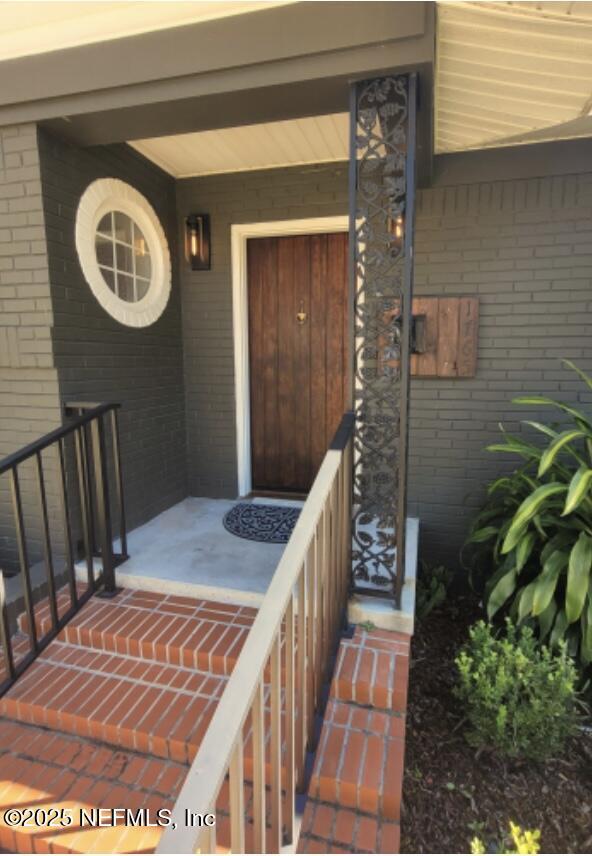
(298,343)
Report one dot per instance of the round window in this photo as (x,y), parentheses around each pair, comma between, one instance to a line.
(123,252)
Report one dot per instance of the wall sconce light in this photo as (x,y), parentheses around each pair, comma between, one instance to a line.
(396,228)
(197,241)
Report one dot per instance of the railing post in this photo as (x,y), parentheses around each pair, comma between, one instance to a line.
(23,556)
(275,758)
(289,723)
(85,435)
(66,520)
(5,631)
(258,728)
(103,511)
(47,553)
(84,491)
(119,483)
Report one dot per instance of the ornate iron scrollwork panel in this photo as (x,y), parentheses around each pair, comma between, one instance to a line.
(381,222)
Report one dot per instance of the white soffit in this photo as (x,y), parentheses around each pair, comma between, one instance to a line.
(38,26)
(506,71)
(314,139)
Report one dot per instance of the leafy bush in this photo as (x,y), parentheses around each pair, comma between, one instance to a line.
(518,841)
(536,530)
(432,588)
(519,696)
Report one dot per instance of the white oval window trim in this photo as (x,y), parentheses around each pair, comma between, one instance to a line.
(111,194)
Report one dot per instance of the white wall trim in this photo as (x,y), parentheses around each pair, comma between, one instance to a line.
(239,234)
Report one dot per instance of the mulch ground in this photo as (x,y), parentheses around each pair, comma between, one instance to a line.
(450,791)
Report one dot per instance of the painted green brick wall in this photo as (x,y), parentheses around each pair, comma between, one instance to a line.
(57,343)
(523,247)
(96,357)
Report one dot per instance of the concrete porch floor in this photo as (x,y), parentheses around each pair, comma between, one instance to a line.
(187,551)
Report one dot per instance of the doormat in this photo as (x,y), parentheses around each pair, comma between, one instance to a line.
(270,523)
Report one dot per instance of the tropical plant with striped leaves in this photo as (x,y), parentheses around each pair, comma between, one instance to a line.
(536,529)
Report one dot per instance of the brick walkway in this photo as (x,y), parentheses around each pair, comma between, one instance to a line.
(354,797)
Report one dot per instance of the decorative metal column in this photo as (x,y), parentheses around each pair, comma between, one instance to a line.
(382,190)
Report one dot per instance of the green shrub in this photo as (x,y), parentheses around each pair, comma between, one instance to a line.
(519,696)
(432,588)
(535,532)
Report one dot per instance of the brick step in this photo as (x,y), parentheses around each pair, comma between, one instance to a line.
(354,795)
(166,629)
(372,669)
(359,760)
(137,677)
(331,829)
(43,770)
(124,701)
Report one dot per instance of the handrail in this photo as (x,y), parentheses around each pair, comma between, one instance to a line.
(89,464)
(47,440)
(315,564)
(84,408)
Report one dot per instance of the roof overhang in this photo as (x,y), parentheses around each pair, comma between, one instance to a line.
(507,73)
(42,26)
(280,63)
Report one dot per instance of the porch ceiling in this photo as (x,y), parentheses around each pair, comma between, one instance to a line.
(512,72)
(269,144)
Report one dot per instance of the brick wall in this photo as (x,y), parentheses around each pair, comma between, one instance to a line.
(99,359)
(523,247)
(28,380)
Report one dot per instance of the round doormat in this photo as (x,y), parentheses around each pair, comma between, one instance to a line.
(270,523)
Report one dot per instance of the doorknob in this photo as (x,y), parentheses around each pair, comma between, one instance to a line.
(301,316)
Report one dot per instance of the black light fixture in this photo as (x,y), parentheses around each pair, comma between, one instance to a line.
(197,241)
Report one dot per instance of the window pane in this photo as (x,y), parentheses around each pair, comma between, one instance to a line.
(109,278)
(143,265)
(126,287)
(105,224)
(123,227)
(124,259)
(104,248)
(140,243)
(121,237)
(142,287)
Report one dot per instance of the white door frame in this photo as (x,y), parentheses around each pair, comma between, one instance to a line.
(239,234)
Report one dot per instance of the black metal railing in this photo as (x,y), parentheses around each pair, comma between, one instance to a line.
(83,452)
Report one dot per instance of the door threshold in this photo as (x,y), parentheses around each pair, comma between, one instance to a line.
(285,495)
